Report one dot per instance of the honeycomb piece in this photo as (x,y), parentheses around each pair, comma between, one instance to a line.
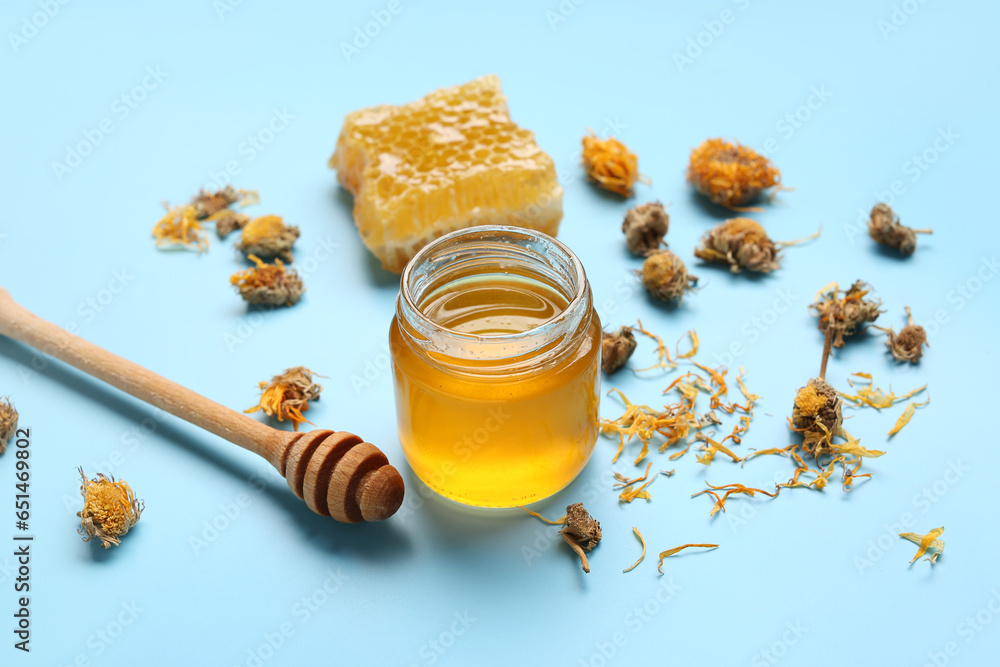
(450,160)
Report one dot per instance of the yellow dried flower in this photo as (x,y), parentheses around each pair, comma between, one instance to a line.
(287,395)
(180,228)
(8,423)
(268,237)
(268,284)
(610,164)
(110,509)
(665,276)
(729,174)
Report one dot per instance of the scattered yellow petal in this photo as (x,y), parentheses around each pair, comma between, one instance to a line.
(557,522)
(904,418)
(925,542)
(641,541)
(671,552)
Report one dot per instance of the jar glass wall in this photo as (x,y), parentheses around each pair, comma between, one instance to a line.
(496,362)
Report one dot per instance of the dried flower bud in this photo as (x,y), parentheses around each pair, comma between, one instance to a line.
(110,509)
(742,243)
(228,221)
(908,344)
(581,532)
(268,237)
(207,204)
(665,276)
(730,174)
(616,348)
(885,228)
(818,413)
(847,314)
(609,163)
(287,395)
(8,423)
(268,284)
(644,227)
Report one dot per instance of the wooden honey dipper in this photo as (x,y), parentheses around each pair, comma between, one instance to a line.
(336,474)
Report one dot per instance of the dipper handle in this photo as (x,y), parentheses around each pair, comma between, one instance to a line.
(336,474)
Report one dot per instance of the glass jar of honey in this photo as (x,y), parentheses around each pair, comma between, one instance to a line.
(496,359)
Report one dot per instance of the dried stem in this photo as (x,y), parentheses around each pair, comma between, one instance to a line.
(909,316)
(827,344)
(579,551)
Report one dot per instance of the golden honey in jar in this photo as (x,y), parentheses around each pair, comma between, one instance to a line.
(496,362)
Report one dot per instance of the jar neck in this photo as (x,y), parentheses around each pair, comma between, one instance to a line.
(501,251)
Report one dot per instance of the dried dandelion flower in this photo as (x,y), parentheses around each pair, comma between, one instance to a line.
(665,276)
(207,204)
(885,228)
(268,237)
(844,315)
(729,174)
(742,243)
(268,284)
(581,532)
(110,509)
(644,227)
(908,344)
(228,221)
(180,228)
(287,395)
(818,413)
(8,423)
(616,348)
(610,164)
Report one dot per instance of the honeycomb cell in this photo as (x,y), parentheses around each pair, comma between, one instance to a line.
(421,170)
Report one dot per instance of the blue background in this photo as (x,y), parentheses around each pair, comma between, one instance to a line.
(439,585)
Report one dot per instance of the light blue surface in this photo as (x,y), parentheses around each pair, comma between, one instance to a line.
(435,585)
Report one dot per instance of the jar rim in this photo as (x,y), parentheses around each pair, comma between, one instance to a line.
(494,233)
